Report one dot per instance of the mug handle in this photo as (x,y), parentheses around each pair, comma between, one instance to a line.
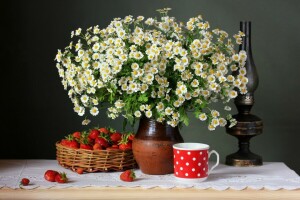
(217,162)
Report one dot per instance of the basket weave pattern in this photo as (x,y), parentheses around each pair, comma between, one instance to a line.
(94,160)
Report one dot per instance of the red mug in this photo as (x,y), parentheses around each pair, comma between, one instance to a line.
(191,161)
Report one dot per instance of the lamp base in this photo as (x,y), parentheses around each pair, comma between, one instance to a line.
(240,159)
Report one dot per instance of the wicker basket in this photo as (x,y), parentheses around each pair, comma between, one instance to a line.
(94,160)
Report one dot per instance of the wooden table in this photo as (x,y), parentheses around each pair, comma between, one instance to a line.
(155,193)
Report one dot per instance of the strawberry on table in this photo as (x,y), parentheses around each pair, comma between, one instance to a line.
(61,177)
(79,170)
(127,176)
(50,175)
(24,181)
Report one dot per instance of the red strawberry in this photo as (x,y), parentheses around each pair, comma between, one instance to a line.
(97,146)
(50,175)
(77,135)
(61,177)
(94,134)
(24,181)
(125,146)
(116,137)
(103,142)
(65,142)
(127,176)
(79,170)
(85,146)
(73,144)
(104,130)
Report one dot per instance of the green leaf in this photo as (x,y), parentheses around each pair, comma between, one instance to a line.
(183,116)
(130,119)
(143,98)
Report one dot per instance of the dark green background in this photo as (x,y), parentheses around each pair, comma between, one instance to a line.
(37,111)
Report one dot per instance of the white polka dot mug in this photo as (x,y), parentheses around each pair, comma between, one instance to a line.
(191,161)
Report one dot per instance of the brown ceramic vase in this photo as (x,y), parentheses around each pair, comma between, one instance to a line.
(153,146)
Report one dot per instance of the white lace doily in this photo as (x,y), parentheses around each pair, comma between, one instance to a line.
(272,176)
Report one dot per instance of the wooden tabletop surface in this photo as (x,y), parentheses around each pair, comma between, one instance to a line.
(154,193)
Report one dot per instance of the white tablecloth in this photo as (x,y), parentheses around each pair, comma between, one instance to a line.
(272,176)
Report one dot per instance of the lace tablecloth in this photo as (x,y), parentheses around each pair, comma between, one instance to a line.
(272,176)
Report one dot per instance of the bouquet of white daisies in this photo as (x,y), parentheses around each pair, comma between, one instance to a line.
(158,68)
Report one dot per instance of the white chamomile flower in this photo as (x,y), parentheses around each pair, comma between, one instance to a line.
(211,127)
(119,104)
(215,122)
(243,71)
(213,86)
(160,107)
(148,113)
(77,108)
(94,111)
(237,82)
(142,107)
(168,111)
(205,93)
(233,68)
(84,98)
(134,66)
(232,94)
(81,111)
(140,18)
(149,21)
(211,79)
(243,90)
(244,80)
(188,96)
(78,31)
(80,53)
(233,122)
(230,78)
(175,115)
(215,113)
(202,116)
(95,102)
(222,122)
(137,113)
(86,122)
(236,57)
(177,104)
(148,107)
(195,83)
(96,47)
